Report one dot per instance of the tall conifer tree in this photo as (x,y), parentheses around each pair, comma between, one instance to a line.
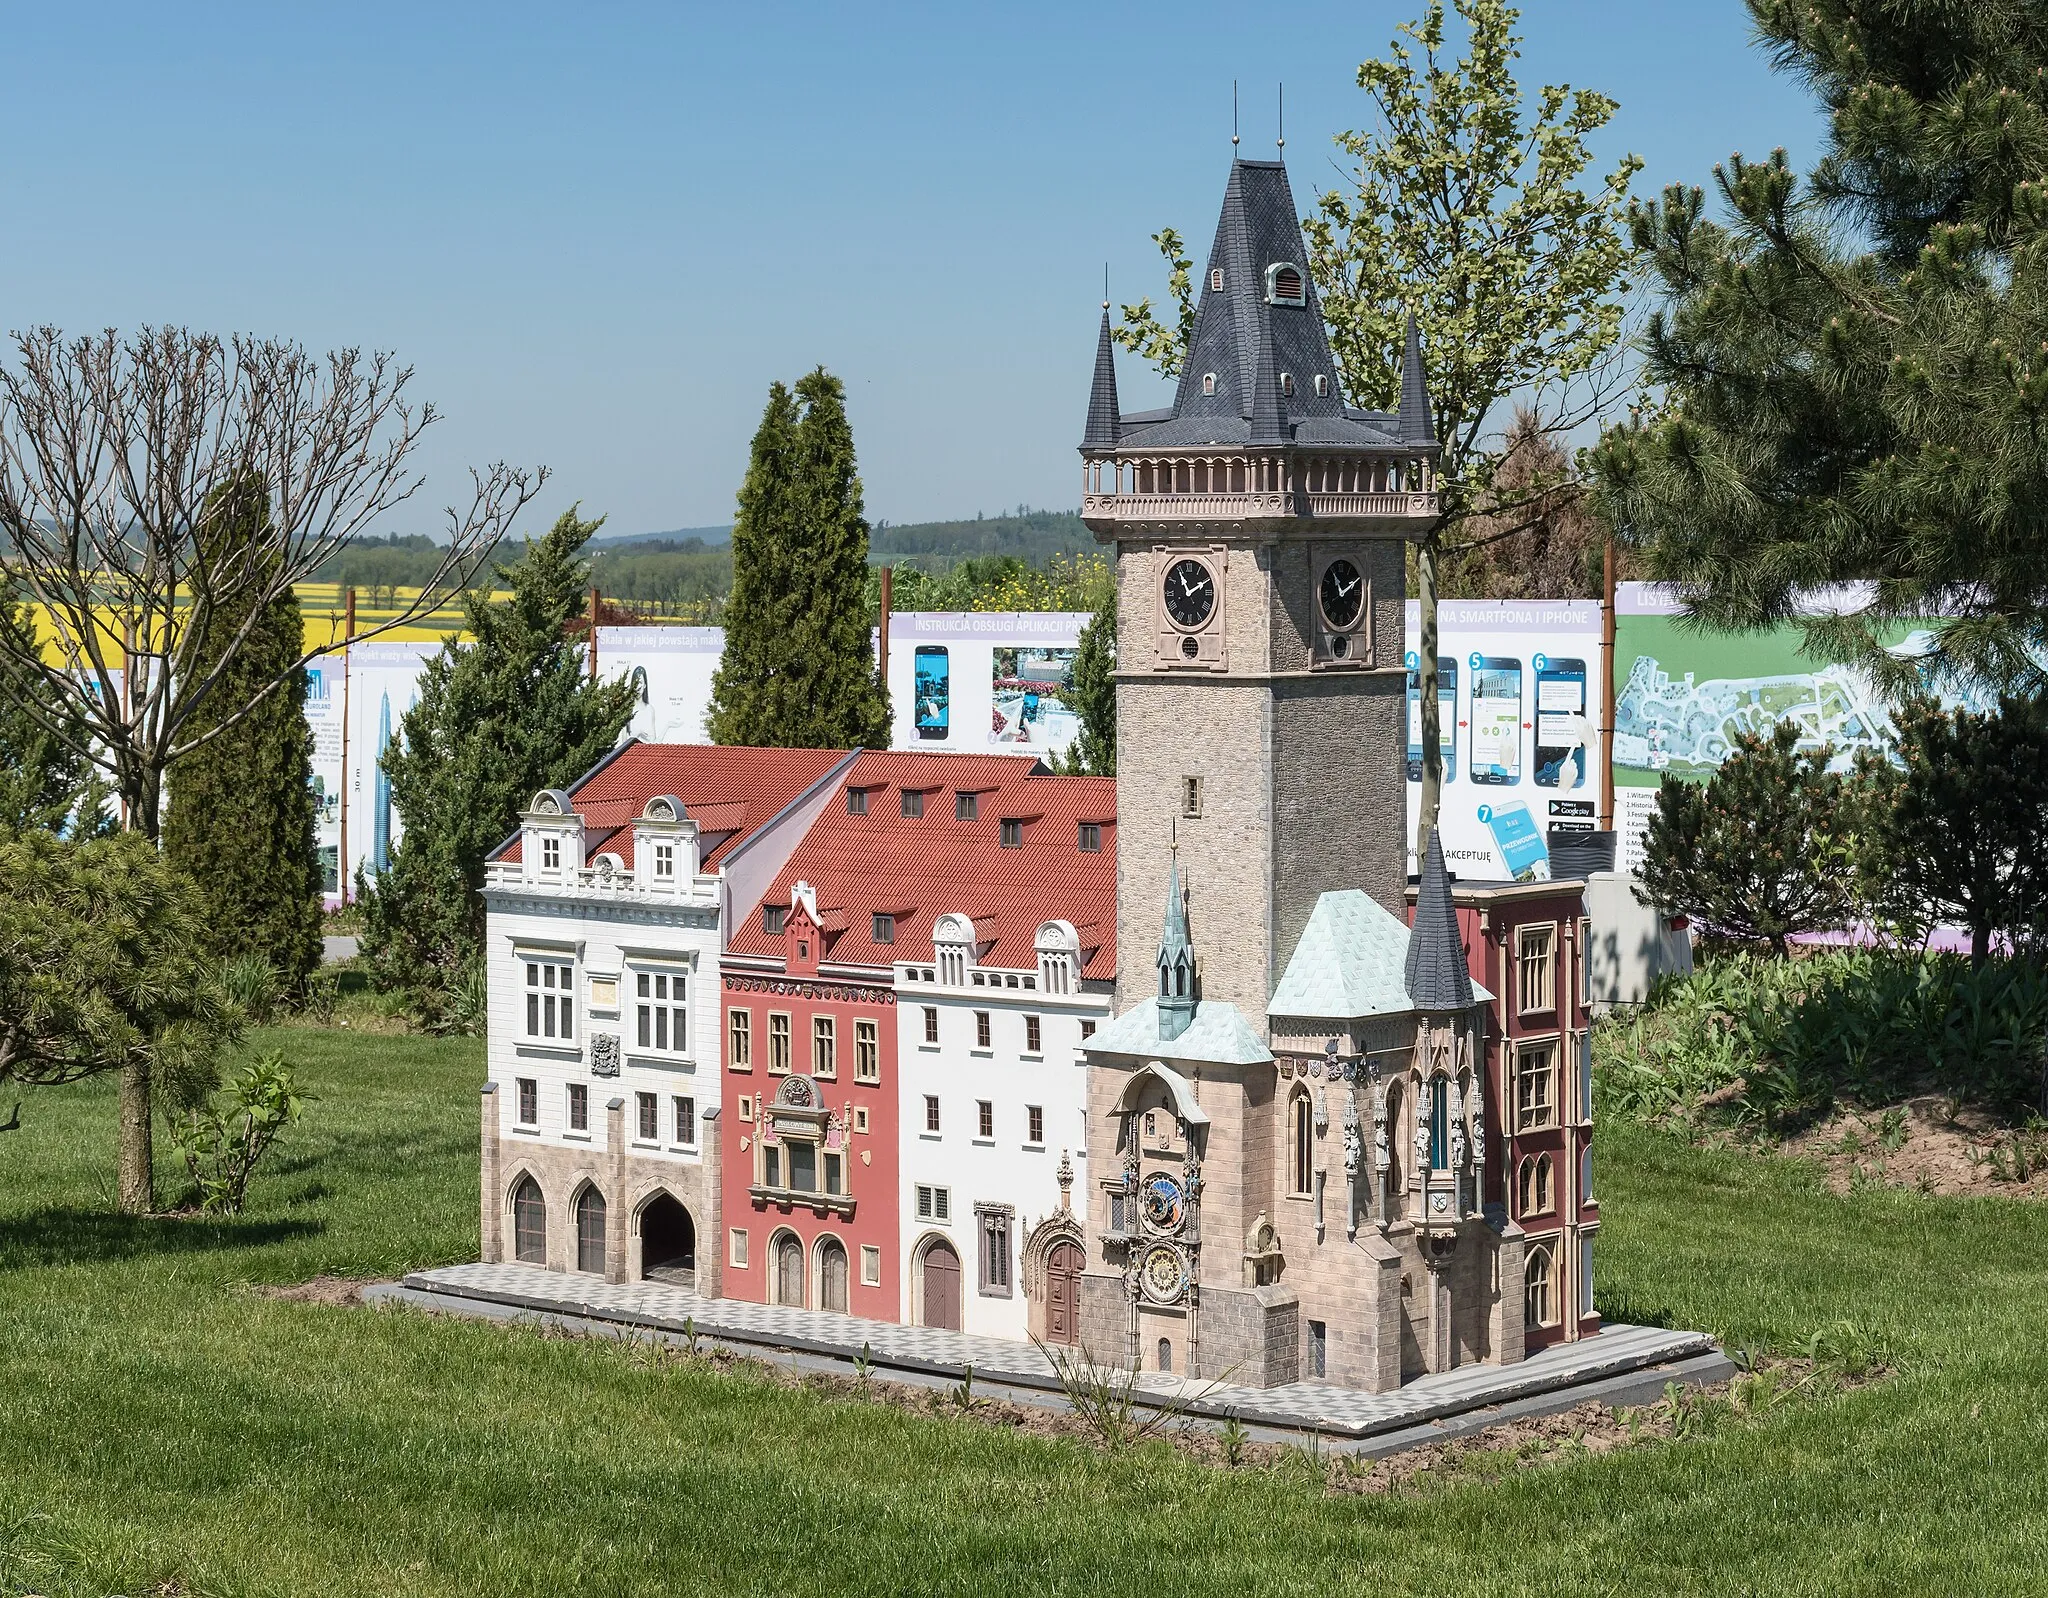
(240,822)
(497,720)
(799,669)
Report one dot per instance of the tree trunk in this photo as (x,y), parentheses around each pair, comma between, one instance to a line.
(1980,942)
(138,1153)
(1426,678)
(140,794)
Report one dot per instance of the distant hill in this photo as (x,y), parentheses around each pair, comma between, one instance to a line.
(1032,536)
(710,537)
(687,572)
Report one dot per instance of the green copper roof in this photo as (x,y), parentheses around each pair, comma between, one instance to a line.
(1218,1035)
(1351,962)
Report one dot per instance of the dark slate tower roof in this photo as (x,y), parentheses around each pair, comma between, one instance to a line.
(1102,409)
(1250,343)
(1176,962)
(1437,977)
(1416,426)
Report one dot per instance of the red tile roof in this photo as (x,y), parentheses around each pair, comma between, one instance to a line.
(920,868)
(728,792)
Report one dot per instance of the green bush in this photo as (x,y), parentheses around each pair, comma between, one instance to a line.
(223,1139)
(1778,1042)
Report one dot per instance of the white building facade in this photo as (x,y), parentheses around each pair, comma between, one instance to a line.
(603,935)
(993,1114)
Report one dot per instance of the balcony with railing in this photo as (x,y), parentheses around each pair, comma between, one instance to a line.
(1243,486)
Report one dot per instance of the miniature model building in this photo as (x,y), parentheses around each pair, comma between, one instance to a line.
(1288,1118)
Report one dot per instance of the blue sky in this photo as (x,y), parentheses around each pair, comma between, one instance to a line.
(598,232)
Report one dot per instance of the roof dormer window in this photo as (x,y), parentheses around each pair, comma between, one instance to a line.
(551,854)
(1322,382)
(1208,382)
(1284,285)
(1287,383)
(1215,280)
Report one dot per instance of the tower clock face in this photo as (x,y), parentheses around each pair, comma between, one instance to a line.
(1342,593)
(1190,593)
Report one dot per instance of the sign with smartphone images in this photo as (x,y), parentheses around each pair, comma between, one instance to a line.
(1517,731)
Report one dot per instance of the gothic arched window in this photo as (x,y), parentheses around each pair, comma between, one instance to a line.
(1301,1127)
(1536,1295)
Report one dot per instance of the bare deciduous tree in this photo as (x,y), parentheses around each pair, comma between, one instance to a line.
(109,449)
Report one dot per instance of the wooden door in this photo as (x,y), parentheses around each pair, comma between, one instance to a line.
(942,1287)
(789,1273)
(832,1278)
(1063,1292)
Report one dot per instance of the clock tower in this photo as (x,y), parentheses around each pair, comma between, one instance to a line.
(1260,526)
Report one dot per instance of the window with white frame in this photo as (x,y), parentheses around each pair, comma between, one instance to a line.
(550,1001)
(1535,1086)
(664,862)
(934,1203)
(778,1044)
(740,1040)
(551,854)
(870,1265)
(661,1021)
(824,1047)
(1535,971)
(867,1051)
(686,1119)
(738,1252)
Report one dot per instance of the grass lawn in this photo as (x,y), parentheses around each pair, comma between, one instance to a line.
(161,1424)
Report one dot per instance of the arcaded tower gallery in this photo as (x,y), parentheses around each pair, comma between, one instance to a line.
(1287,1118)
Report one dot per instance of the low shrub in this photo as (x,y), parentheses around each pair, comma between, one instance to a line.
(252,985)
(224,1138)
(1778,1042)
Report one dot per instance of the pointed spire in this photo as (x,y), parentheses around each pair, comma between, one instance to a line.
(1268,427)
(1437,977)
(1102,407)
(1416,426)
(1176,962)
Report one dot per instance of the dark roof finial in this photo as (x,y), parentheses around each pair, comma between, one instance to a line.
(1416,426)
(1103,416)
(1436,977)
(1283,121)
(1233,119)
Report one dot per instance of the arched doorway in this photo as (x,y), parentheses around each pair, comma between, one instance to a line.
(590,1239)
(789,1271)
(832,1275)
(941,1286)
(668,1242)
(1063,1292)
(529,1223)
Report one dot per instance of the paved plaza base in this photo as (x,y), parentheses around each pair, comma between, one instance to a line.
(1621,1365)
